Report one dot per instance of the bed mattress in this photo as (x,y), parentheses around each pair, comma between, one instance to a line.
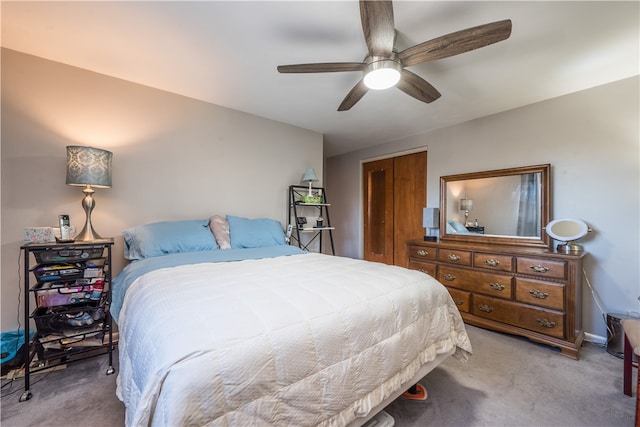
(305,339)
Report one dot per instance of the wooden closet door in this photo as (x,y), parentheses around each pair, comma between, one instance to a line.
(378,210)
(395,191)
(409,197)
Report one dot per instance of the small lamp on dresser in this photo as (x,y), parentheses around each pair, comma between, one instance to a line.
(88,167)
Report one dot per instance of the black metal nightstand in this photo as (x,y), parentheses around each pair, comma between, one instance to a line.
(70,284)
(475,229)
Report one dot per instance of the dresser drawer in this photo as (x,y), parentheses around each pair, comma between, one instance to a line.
(540,293)
(542,267)
(498,285)
(493,262)
(461,299)
(531,318)
(454,256)
(425,267)
(422,252)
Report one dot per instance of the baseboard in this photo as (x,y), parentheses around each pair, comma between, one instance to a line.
(596,339)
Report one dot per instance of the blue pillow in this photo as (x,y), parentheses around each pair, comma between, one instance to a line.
(254,233)
(167,237)
(461,229)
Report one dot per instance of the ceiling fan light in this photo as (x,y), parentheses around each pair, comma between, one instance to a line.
(382,74)
(383,78)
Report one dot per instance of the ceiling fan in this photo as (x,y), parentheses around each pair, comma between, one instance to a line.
(385,63)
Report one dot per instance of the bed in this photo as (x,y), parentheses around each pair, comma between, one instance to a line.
(262,333)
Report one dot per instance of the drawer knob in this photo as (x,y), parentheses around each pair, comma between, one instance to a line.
(422,252)
(496,286)
(422,270)
(486,308)
(492,262)
(546,323)
(458,301)
(449,277)
(538,294)
(539,268)
(453,257)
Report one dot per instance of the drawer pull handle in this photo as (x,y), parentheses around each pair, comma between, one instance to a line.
(492,262)
(422,252)
(546,323)
(449,277)
(453,257)
(458,301)
(496,286)
(539,268)
(538,294)
(485,308)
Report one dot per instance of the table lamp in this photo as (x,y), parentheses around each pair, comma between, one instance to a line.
(466,205)
(310,177)
(88,167)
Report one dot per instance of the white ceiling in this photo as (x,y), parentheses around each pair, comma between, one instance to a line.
(226,53)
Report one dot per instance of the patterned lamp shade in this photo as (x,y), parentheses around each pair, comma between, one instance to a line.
(466,204)
(88,166)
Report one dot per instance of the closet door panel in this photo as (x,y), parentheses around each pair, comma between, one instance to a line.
(410,196)
(378,211)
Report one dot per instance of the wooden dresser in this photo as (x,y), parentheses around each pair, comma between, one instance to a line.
(531,292)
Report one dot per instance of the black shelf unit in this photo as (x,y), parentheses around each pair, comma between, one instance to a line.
(475,228)
(70,286)
(304,235)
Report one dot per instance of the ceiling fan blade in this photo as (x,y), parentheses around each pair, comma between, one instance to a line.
(355,95)
(456,43)
(328,67)
(378,26)
(416,86)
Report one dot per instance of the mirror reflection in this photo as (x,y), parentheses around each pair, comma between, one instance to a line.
(508,206)
(473,204)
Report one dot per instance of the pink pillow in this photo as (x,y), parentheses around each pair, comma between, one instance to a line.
(220,229)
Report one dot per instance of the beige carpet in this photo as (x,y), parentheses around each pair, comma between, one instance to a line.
(508,381)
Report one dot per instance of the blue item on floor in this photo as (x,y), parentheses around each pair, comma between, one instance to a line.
(10,344)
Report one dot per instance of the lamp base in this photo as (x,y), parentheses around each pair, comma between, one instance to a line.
(87,234)
(430,239)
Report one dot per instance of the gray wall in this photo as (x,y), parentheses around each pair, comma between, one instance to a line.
(590,138)
(173,157)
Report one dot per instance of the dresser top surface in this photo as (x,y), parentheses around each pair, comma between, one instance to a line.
(499,249)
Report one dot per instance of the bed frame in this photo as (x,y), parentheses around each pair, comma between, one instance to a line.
(424,370)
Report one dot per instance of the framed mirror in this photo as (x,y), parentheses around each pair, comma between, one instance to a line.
(505,206)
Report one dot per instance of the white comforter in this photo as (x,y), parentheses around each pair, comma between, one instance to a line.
(296,340)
